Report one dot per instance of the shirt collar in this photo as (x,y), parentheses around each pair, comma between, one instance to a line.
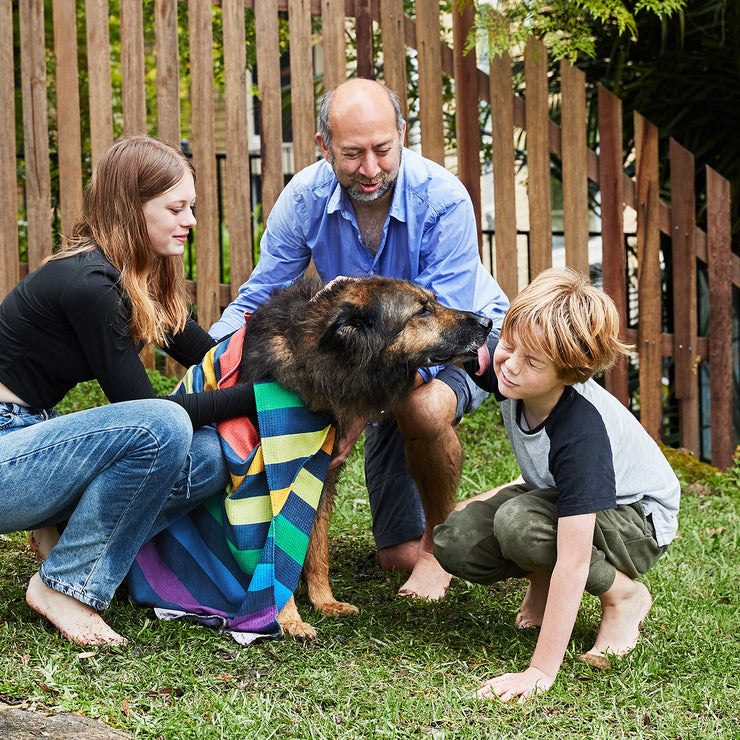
(339,201)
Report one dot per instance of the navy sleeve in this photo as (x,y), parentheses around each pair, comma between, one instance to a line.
(581,460)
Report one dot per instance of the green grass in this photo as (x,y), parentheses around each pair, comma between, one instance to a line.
(403,669)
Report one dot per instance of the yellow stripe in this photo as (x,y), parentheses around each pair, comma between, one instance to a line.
(308,487)
(278,499)
(248,511)
(292,446)
(209,375)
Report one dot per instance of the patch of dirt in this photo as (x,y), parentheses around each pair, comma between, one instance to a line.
(19,722)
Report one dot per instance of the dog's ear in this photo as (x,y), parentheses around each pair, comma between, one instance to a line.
(355,329)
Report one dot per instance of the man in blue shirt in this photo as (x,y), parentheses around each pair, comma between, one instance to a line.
(371,207)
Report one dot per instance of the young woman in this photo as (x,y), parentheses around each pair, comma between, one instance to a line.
(112,476)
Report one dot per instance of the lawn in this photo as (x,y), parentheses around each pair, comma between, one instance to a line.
(405,669)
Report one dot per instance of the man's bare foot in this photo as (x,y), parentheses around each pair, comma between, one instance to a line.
(623,608)
(42,540)
(399,557)
(532,610)
(76,621)
(428,580)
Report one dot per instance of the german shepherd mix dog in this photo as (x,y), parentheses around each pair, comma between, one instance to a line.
(350,349)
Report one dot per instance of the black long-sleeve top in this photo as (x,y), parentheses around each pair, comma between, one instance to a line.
(68,322)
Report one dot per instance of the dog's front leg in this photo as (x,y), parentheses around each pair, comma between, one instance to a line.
(290,620)
(316,568)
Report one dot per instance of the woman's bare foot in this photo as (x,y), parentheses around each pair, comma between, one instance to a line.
(623,608)
(76,621)
(532,610)
(42,540)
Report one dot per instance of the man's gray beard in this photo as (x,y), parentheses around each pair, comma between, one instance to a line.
(355,192)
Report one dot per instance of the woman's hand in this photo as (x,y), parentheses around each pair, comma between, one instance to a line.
(519,686)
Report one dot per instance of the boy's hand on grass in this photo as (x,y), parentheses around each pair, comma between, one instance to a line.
(519,686)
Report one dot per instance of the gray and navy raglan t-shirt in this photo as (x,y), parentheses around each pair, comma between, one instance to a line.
(594,452)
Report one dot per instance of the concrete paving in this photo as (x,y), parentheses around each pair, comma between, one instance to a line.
(22,723)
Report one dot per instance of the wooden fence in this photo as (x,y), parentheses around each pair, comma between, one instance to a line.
(364,22)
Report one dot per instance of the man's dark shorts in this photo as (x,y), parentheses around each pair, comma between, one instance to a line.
(395,504)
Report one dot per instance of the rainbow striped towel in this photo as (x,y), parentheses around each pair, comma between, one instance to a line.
(233,562)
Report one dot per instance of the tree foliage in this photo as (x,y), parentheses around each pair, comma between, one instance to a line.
(565,26)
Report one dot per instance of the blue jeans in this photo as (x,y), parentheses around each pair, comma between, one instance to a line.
(114,475)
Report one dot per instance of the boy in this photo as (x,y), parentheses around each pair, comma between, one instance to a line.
(598,504)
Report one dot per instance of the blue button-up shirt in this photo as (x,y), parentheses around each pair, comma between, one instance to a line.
(429,237)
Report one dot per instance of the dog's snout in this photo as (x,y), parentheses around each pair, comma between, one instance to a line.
(483,321)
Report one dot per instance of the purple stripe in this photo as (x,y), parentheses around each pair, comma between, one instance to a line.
(164,582)
(254,621)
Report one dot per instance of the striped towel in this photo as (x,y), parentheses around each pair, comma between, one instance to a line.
(234,561)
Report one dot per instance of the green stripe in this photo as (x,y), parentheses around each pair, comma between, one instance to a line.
(271,396)
(213,505)
(291,540)
(246,559)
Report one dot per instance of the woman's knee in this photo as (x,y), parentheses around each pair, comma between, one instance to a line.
(169,424)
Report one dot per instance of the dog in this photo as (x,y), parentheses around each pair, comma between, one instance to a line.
(350,349)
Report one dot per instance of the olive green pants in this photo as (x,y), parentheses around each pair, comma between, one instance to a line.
(514,533)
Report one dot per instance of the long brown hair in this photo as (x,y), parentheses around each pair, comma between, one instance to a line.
(131,172)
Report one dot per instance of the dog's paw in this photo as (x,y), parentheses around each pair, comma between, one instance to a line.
(336,608)
(300,629)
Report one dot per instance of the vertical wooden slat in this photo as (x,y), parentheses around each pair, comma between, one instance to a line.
(301,84)
(613,261)
(538,158)
(68,113)
(648,275)
(35,131)
(333,44)
(429,55)
(168,71)
(99,77)
(168,99)
(575,169)
(204,159)
(504,185)
(683,224)
(719,267)
(132,67)
(271,121)
(237,186)
(364,39)
(466,108)
(9,273)
(394,50)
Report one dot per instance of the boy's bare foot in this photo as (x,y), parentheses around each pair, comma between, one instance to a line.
(42,540)
(428,580)
(532,610)
(623,608)
(76,621)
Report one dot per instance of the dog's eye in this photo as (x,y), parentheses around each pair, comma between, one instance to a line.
(425,310)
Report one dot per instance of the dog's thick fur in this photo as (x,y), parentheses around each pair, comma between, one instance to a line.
(351,349)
